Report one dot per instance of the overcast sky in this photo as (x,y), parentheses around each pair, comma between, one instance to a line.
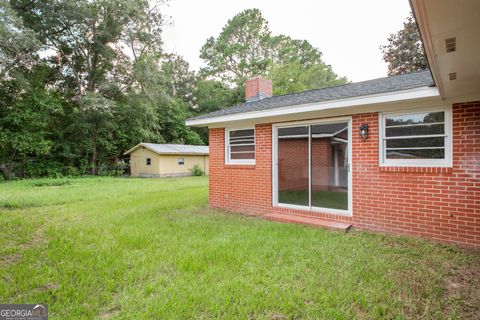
(347,32)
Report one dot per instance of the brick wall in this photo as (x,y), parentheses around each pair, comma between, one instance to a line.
(241,188)
(437,203)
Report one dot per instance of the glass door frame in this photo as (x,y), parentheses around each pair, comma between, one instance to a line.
(309,123)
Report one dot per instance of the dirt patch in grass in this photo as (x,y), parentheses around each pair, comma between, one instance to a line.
(9,259)
(50,286)
(113,312)
(462,288)
(36,240)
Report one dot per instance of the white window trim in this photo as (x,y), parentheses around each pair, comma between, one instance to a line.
(227,142)
(275,202)
(447,162)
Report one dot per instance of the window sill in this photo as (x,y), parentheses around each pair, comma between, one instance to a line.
(413,169)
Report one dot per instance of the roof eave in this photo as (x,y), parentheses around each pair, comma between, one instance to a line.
(126,153)
(396,96)
(419,12)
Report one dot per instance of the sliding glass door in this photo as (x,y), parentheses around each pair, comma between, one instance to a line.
(293,163)
(312,165)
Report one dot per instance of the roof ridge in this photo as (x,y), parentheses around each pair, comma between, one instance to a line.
(174,144)
(341,85)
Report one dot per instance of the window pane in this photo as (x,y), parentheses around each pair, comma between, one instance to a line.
(417,118)
(241,133)
(292,132)
(243,155)
(330,169)
(416,154)
(242,137)
(237,149)
(416,142)
(329,129)
(416,130)
(241,144)
(293,160)
(246,140)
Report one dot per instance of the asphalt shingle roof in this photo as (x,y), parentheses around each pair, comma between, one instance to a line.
(351,90)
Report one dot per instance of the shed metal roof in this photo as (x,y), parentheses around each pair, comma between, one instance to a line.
(172,149)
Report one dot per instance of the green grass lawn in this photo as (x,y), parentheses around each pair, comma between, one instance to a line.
(323,199)
(100,248)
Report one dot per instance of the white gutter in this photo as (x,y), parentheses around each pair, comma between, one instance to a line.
(397,96)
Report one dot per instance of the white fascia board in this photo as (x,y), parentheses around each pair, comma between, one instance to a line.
(420,14)
(397,96)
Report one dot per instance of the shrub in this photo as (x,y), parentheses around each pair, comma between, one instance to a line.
(42,168)
(196,171)
(71,171)
(117,169)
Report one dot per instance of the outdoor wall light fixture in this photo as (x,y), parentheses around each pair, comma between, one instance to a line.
(363,132)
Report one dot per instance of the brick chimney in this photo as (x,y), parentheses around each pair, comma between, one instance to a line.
(257,88)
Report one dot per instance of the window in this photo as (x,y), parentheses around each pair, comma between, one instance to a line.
(181,161)
(149,161)
(418,138)
(240,146)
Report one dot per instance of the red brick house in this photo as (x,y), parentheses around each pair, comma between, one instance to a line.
(399,154)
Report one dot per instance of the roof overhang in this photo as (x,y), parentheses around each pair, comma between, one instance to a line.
(439,20)
(126,153)
(340,105)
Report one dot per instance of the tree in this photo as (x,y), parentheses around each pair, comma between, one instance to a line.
(181,81)
(107,56)
(246,48)
(17,43)
(293,77)
(241,49)
(404,52)
(25,111)
(298,66)
(88,37)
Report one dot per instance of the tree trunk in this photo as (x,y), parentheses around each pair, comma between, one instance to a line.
(9,170)
(93,162)
(9,167)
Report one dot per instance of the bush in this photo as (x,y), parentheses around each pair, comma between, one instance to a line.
(42,168)
(196,171)
(71,171)
(117,169)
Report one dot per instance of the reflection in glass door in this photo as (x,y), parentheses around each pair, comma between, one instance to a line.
(313,165)
(293,165)
(329,154)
